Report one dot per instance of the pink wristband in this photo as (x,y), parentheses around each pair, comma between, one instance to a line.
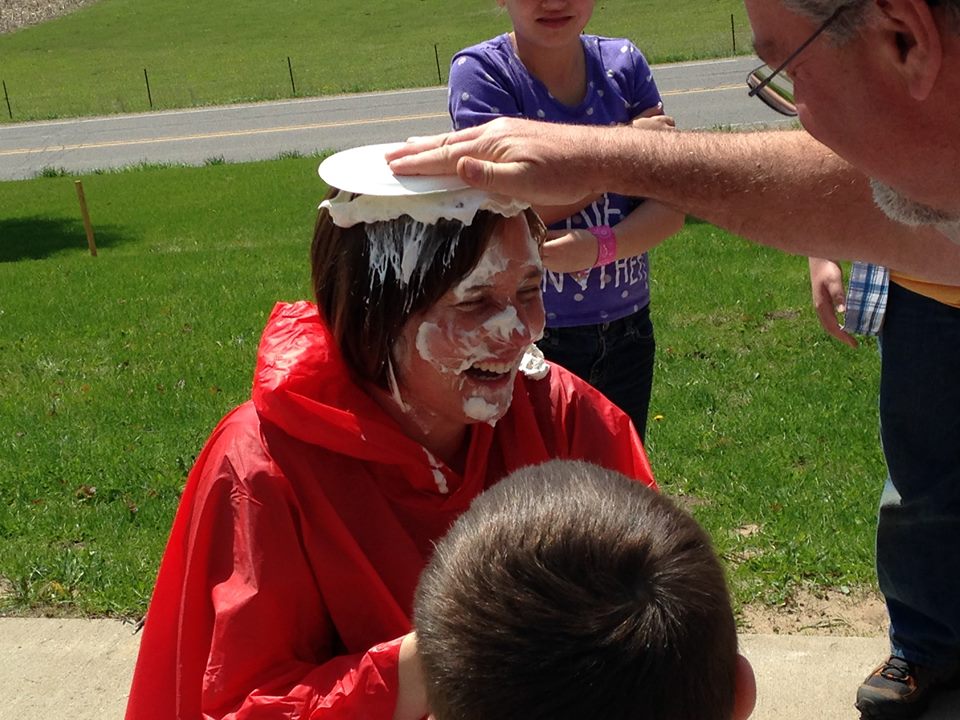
(606,244)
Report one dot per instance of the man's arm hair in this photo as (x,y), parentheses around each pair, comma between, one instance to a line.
(778,188)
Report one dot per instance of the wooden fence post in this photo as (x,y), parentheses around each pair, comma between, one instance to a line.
(86,218)
(293,85)
(6,96)
(146,79)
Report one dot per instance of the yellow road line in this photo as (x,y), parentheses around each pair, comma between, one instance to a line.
(285,128)
(232,133)
(716,88)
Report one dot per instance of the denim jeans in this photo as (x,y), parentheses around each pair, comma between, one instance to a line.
(615,357)
(918,530)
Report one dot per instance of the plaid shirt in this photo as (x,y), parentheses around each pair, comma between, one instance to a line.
(866,299)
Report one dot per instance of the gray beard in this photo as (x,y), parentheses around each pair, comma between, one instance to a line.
(898,208)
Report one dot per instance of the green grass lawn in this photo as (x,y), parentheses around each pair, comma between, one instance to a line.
(767,427)
(203,53)
(113,370)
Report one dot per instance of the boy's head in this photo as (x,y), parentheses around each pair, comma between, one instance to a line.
(570,591)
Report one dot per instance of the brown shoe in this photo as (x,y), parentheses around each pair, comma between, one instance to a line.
(897,690)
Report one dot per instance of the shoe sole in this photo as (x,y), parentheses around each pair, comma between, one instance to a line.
(891,711)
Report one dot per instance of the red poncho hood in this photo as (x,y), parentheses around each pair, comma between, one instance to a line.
(302,385)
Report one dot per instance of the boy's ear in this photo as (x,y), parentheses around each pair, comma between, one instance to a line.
(911,42)
(744,689)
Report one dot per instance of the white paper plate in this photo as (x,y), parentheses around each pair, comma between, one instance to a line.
(363,170)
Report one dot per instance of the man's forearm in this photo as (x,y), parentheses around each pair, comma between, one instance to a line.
(777,188)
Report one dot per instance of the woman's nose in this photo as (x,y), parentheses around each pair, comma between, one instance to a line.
(509,326)
(530,322)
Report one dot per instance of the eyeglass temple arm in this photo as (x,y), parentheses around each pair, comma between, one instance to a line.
(779,69)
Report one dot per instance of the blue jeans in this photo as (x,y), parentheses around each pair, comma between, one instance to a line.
(918,530)
(615,357)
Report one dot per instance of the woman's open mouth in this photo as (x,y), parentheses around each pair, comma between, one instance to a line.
(490,371)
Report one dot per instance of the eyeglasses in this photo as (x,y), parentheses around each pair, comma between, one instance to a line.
(779,95)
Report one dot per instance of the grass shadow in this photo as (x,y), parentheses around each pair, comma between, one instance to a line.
(35,238)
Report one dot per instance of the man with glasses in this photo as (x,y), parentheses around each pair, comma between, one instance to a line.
(880,99)
(874,175)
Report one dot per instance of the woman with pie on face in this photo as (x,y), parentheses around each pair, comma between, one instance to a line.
(377,415)
(596,288)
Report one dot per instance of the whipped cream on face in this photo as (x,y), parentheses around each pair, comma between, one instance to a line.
(347,210)
(479,409)
(504,323)
(454,350)
(534,365)
(489,264)
(473,347)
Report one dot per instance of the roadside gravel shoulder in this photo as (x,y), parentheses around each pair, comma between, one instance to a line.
(15,14)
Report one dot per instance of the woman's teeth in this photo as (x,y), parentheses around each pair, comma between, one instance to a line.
(494,368)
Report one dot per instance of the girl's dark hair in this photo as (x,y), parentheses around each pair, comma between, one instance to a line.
(367,306)
(569,591)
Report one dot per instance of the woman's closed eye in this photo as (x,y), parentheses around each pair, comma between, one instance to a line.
(530,294)
(480,302)
(472,303)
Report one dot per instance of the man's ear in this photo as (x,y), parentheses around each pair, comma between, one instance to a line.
(911,42)
(744,689)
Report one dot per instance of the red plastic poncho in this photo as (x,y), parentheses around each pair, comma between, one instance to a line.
(289,575)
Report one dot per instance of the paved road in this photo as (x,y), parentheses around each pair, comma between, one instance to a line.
(699,95)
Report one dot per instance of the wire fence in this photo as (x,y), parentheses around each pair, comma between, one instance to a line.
(167,83)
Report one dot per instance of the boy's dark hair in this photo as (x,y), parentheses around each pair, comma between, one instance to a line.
(367,305)
(570,591)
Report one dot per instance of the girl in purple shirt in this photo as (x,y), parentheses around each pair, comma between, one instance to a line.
(596,288)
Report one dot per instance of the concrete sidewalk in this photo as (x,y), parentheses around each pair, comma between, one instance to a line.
(80,669)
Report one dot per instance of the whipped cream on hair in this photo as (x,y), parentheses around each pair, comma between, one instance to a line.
(348,209)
